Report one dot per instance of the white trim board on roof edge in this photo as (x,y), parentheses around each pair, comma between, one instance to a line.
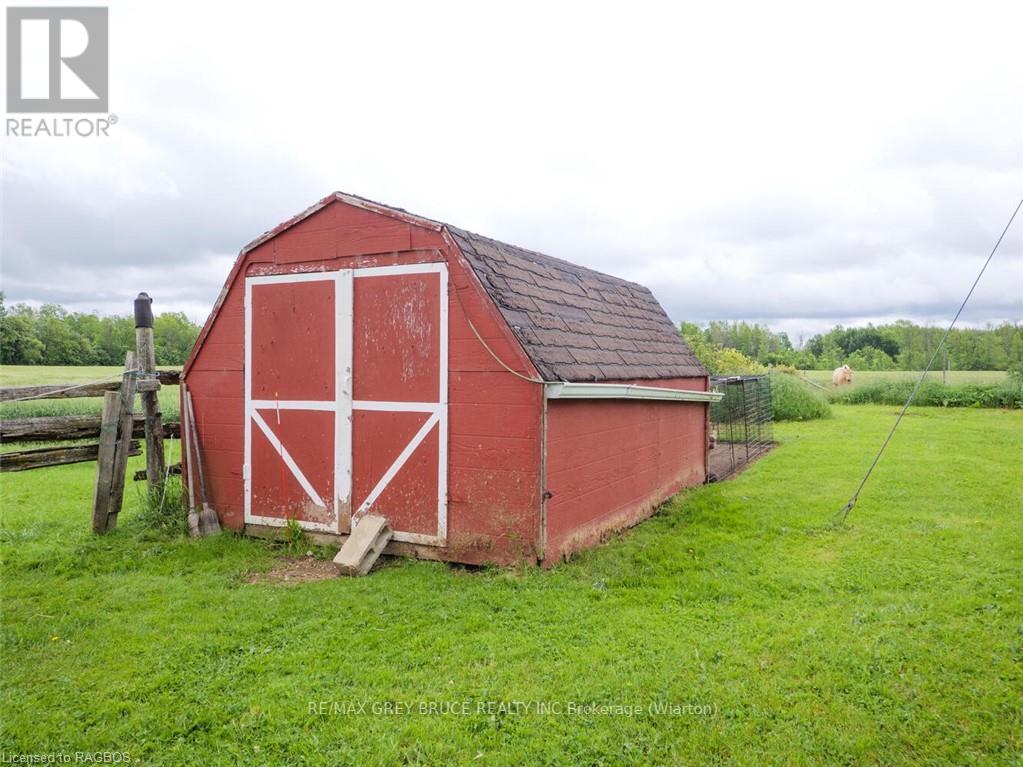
(626,391)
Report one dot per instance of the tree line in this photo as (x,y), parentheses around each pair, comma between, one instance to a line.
(901,345)
(51,335)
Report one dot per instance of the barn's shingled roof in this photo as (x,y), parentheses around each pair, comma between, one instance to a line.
(574,323)
(577,324)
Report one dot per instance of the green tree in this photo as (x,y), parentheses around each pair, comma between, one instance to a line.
(870,358)
(174,335)
(51,335)
(901,345)
(753,340)
(18,343)
(719,360)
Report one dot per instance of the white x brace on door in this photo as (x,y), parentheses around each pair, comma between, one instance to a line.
(346,380)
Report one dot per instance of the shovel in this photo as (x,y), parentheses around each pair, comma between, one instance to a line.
(208,521)
(193,512)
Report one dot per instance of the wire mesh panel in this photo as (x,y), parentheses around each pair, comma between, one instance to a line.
(741,423)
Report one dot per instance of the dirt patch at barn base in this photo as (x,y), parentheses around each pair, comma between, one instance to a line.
(295,570)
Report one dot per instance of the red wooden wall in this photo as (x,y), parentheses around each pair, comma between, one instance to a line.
(611,462)
(494,418)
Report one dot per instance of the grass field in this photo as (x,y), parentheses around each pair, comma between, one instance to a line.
(896,640)
(35,375)
(955,377)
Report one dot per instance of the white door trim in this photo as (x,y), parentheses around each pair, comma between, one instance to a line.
(438,410)
(343,405)
(288,460)
(395,467)
(344,309)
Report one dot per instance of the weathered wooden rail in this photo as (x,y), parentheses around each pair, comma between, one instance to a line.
(173,470)
(65,427)
(42,457)
(69,391)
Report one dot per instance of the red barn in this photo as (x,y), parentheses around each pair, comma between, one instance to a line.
(493,403)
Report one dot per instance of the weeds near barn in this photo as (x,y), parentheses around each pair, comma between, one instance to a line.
(795,400)
(160,509)
(895,641)
(294,538)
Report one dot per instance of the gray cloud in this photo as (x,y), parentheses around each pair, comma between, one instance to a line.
(770,175)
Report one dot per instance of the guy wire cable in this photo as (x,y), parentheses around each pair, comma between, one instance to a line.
(843,513)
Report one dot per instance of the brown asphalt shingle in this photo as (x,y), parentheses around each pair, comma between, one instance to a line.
(574,323)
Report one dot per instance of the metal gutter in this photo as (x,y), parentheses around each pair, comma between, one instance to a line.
(626,391)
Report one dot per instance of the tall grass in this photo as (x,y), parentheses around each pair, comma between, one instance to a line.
(160,510)
(954,377)
(39,375)
(795,400)
(1008,394)
(38,408)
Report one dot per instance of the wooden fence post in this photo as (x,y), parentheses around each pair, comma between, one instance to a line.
(145,356)
(114,446)
(126,399)
(105,460)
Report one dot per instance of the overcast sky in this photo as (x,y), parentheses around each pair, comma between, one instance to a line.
(796,164)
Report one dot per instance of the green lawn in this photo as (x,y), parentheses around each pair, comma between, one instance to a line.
(37,375)
(897,640)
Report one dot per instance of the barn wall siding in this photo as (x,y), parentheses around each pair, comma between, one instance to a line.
(611,462)
(494,434)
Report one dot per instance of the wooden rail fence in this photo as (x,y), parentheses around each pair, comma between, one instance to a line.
(57,428)
(64,428)
(115,428)
(70,391)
